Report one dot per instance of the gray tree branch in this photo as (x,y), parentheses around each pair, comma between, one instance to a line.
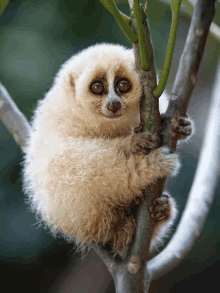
(188,67)
(13,119)
(182,89)
(200,197)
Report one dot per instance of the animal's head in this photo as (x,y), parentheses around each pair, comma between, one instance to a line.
(102,84)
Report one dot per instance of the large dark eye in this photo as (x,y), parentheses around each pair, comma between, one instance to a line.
(97,88)
(123,85)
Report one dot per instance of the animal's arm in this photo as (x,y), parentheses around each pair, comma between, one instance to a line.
(102,166)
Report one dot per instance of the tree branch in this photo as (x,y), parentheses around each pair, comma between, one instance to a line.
(131,275)
(145,59)
(200,197)
(13,119)
(188,67)
(201,20)
(150,116)
(180,94)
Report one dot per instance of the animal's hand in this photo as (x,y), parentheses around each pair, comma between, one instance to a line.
(182,127)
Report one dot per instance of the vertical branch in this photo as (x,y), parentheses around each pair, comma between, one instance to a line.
(145,57)
(200,197)
(188,67)
(130,275)
(150,116)
(203,186)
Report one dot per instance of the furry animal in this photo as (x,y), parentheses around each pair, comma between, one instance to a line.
(84,166)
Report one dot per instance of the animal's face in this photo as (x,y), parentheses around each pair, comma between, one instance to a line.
(110,94)
(105,84)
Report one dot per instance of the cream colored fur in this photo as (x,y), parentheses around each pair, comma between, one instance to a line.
(79,173)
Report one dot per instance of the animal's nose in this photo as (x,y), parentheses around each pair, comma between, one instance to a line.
(114,106)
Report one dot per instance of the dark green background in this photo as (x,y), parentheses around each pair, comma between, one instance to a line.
(36,38)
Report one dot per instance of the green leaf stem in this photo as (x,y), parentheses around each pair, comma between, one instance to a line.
(121,18)
(175,7)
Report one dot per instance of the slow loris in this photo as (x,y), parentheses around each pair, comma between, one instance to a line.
(84,166)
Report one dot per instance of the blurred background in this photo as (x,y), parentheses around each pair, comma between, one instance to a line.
(36,38)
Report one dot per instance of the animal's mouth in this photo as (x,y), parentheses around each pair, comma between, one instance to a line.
(114,116)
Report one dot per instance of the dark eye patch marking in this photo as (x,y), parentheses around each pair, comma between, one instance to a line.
(98,85)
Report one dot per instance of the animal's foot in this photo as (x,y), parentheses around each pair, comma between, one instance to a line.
(123,235)
(160,208)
